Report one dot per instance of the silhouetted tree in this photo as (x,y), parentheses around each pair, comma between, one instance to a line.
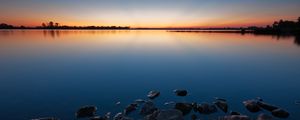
(51,24)
(44,25)
(56,25)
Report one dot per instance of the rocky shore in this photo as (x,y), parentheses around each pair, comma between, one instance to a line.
(183,110)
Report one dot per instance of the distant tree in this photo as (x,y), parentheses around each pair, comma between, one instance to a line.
(56,24)
(51,24)
(44,25)
(299,20)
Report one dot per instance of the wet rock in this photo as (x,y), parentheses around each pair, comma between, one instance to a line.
(185,108)
(139,101)
(153,94)
(259,98)
(234,113)
(118,103)
(152,116)
(130,108)
(99,118)
(263,116)
(280,113)
(169,103)
(251,105)
(180,92)
(195,106)
(86,111)
(194,117)
(148,108)
(220,99)
(46,118)
(222,105)
(206,108)
(235,117)
(266,106)
(171,114)
(120,116)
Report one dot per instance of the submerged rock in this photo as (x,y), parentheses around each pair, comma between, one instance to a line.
(130,108)
(171,114)
(86,111)
(263,116)
(120,116)
(194,117)
(148,108)
(220,99)
(46,118)
(153,94)
(222,105)
(152,116)
(185,108)
(280,113)
(169,103)
(266,106)
(180,92)
(235,117)
(99,118)
(234,113)
(206,108)
(118,103)
(251,105)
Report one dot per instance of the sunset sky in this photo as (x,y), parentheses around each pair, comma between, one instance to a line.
(149,13)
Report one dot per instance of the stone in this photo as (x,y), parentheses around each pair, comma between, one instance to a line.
(46,118)
(234,113)
(169,103)
(206,108)
(118,103)
(222,105)
(263,116)
(148,108)
(130,108)
(153,94)
(194,117)
(251,106)
(235,117)
(99,118)
(266,106)
(86,111)
(180,92)
(171,114)
(185,108)
(280,113)
(139,101)
(120,116)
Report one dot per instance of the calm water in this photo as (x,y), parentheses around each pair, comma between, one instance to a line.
(53,73)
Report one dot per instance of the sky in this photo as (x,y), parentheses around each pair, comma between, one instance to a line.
(149,13)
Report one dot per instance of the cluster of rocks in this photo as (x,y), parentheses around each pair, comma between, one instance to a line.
(149,111)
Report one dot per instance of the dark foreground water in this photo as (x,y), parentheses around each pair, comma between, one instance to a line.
(53,73)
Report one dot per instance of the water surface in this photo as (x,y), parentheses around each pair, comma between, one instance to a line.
(53,73)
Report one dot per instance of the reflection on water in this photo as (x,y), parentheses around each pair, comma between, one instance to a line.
(53,72)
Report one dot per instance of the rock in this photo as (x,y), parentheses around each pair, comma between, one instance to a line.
(152,116)
(169,103)
(220,99)
(180,92)
(235,117)
(118,103)
(297,102)
(46,118)
(139,101)
(251,105)
(86,111)
(148,108)
(120,116)
(99,118)
(153,94)
(194,117)
(195,105)
(259,98)
(234,113)
(280,113)
(130,108)
(222,105)
(266,106)
(185,108)
(263,116)
(171,114)
(206,108)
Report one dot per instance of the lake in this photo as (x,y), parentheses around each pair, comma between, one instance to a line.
(55,72)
